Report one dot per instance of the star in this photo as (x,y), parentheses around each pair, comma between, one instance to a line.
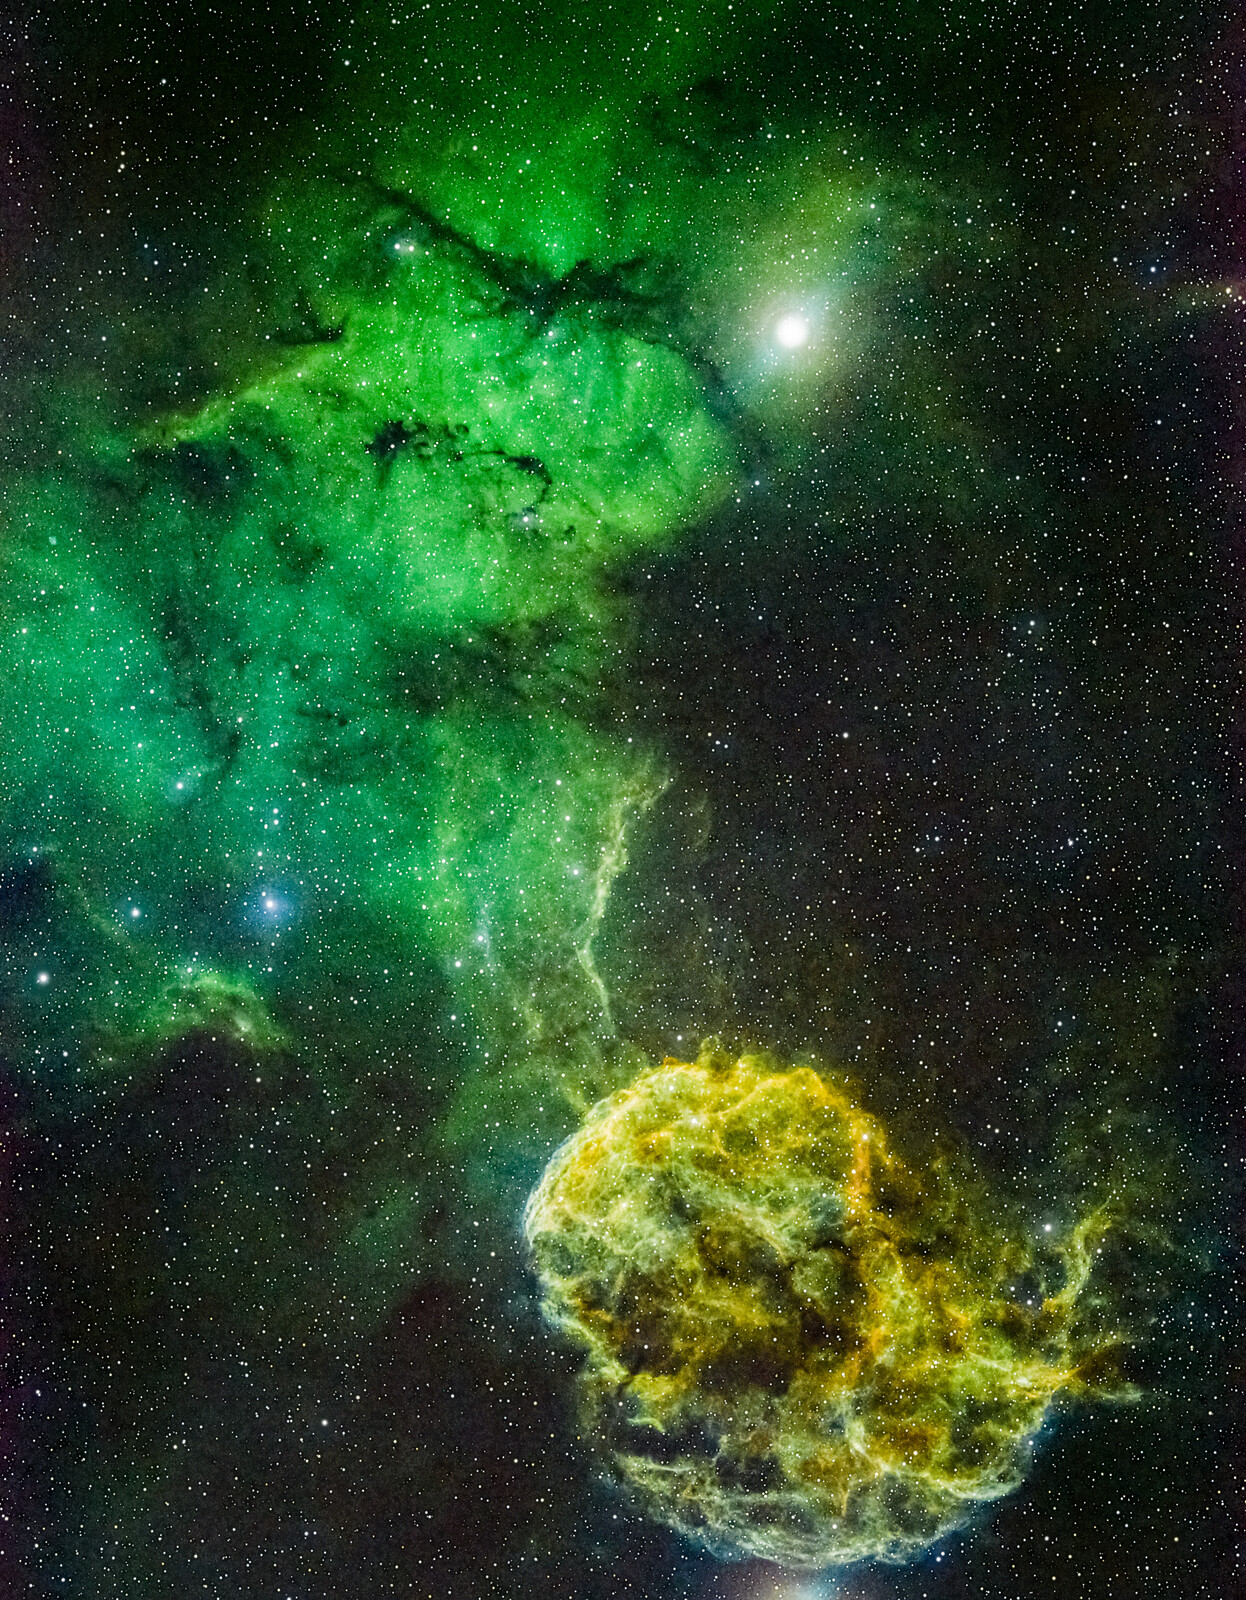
(791,331)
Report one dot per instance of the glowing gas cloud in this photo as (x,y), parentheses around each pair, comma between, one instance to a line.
(798,1346)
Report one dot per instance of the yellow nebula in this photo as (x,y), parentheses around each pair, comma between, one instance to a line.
(798,1347)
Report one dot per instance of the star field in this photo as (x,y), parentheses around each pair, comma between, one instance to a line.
(539,542)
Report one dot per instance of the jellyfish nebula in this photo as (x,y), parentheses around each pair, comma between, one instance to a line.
(797,1345)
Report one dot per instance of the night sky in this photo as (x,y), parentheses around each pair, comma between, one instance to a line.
(621,850)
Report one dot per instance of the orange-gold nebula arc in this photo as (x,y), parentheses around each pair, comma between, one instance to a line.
(797,1346)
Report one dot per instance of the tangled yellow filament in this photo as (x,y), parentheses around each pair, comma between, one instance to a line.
(798,1347)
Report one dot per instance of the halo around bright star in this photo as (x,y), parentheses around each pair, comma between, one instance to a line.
(791,331)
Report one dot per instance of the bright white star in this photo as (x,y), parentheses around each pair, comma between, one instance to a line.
(791,331)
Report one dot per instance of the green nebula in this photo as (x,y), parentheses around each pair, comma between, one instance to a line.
(397,634)
(797,1346)
(332,636)
(336,643)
